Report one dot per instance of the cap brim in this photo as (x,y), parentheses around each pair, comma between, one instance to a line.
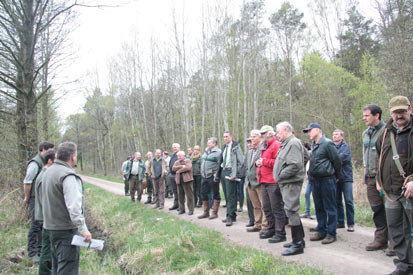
(306,130)
(402,107)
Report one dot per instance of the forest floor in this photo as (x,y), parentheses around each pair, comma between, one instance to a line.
(346,256)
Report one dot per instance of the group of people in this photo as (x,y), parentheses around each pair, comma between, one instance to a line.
(273,169)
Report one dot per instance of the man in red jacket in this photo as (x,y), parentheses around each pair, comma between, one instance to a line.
(272,201)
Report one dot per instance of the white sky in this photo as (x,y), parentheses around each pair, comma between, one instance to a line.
(101,32)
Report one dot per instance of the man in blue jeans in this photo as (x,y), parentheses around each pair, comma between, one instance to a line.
(325,168)
(345,182)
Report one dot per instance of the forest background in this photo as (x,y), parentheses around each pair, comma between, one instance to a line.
(244,72)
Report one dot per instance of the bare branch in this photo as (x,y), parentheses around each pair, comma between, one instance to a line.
(9,95)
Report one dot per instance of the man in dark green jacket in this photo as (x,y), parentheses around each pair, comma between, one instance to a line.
(395,165)
(34,167)
(325,168)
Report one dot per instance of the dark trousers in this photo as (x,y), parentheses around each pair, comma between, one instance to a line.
(65,257)
(174,188)
(208,185)
(149,187)
(240,193)
(197,189)
(45,263)
(399,220)
(379,212)
(324,195)
(345,189)
(272,203)
(250,208)
(126,185)
(185,189)
(34,236)
(224,188)
(135,185)
(231,194)
(168,187)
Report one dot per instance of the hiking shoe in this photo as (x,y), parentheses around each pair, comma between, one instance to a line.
(190,212)
(277,239)
(313,229)
(266,234)
(375,245)
(253,229)
(317,237)
(340,225)
(329,240)
(305,216)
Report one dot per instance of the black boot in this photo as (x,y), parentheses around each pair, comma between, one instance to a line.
(298,244)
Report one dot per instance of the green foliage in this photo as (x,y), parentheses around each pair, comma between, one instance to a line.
(356,41)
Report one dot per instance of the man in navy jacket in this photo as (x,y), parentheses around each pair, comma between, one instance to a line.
(344,182)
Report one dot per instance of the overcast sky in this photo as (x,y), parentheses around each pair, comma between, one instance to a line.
(100,33)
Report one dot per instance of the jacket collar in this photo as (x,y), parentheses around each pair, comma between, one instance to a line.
(63,163)
(284,143)
(391,126)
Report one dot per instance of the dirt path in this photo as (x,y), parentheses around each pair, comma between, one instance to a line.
(346,256)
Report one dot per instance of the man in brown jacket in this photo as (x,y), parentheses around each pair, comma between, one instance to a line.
(158,171)
(183,169)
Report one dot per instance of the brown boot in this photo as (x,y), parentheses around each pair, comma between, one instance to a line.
(215,210)
(205,206)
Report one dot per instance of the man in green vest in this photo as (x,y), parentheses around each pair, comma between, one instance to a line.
(63,210)
(372,118)
(33,169)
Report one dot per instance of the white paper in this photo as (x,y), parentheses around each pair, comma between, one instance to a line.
(95,244)
(236,179)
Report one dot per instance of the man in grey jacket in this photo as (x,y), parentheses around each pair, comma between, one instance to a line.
(209,168)
(63,208)
(289,174)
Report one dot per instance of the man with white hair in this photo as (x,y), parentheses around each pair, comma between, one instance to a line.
(135,173)
(272,201)
(289,173)
(175,148)
(184,178)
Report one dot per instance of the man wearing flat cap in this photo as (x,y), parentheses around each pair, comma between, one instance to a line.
(325,168)
(394,150)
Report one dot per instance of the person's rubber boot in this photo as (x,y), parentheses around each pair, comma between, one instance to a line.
(215,210)
(298,244)
(205,206)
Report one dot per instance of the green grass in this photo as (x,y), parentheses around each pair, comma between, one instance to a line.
(13,236)
(115,179)
(146,241)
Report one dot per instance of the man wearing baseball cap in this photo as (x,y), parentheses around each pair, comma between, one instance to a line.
(325,168)
(395,149)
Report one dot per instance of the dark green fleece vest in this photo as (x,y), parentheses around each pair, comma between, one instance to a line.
(40,162)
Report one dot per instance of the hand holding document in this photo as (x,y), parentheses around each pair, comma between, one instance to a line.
(95,244)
